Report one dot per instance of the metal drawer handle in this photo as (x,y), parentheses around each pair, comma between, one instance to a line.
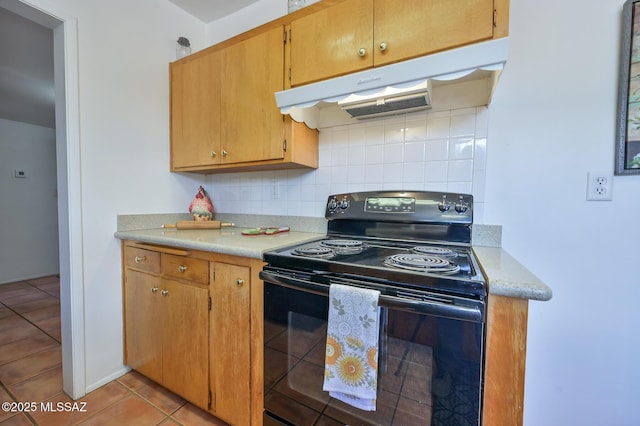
(213,153)
(182,268)
(140,259)
(239,282)
(383,46)
(362,52)
(224,153)
(154,290)
(164,292)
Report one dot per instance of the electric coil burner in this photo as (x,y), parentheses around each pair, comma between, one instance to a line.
(414,247)
(422,263)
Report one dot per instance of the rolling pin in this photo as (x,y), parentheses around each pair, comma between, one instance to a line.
(198,224)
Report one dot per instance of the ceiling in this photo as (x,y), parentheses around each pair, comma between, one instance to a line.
(210,10)
(26,60)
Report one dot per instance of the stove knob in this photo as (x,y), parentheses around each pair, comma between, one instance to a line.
(443,206)
(461,207)
(333,204)
(344,204)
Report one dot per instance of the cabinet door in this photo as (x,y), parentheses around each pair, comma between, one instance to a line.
(412,28)
(252,126)
(329,43)
(230,343)
(185,341)
(143,324)
(195,111)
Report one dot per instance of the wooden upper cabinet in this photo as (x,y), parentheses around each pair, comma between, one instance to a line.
(355,35)
(252,71)
(405,29)
(332,41)
(195,111)
(224,115)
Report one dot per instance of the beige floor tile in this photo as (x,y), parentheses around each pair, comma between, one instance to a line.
(91,404)
(49,279)
(27,346)
(5,312)
(130,410)
(10,291)
(30,296)
(52,288)
(49,324)
(166,401)
(17,330)
(43,302)
(43,314)
(29,366)
(55,334)
(190,415)
(17,420)
(5,397)
(40,387)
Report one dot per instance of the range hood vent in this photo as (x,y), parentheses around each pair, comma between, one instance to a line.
(368,94)
(389,102)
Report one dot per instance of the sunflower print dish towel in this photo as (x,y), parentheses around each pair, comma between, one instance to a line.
(351,361)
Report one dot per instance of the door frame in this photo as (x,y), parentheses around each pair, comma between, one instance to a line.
(67,119)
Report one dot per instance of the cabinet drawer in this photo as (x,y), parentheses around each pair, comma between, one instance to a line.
(186,268)
(144,260)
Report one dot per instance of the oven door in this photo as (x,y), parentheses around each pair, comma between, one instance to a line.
(429,365)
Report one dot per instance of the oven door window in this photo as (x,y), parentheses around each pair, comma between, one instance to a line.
(429,367)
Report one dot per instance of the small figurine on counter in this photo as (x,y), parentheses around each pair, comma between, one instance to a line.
(201,208)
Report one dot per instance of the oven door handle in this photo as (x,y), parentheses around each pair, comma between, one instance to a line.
(428,307)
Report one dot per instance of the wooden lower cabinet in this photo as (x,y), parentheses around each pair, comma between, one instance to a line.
(166,333)
(193,324)
(143,319)
(230,373)
(185,351)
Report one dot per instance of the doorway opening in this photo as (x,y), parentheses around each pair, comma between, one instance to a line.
(65,51)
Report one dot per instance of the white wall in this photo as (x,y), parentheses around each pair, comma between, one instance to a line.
(123,53)
(551,121)
(28,206)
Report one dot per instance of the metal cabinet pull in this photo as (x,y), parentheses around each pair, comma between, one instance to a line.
(239,282)
(154,290)
(362,52)
(224,153)
(164,292)
(140,259)
(182,268)
(383,46)
(213,153)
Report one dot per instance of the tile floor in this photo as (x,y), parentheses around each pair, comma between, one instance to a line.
(31,371)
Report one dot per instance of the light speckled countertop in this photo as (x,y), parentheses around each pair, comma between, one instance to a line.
(226,240)
(508,277)
(504,274)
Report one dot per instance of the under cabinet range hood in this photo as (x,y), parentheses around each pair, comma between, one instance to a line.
(396,88)
(387,102)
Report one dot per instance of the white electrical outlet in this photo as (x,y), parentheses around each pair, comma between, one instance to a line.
(599,186)
(275,191)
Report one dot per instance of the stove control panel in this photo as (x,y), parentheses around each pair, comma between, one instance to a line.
(418,206)
(390,205)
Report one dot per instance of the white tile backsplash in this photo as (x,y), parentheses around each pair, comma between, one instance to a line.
(437,151)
